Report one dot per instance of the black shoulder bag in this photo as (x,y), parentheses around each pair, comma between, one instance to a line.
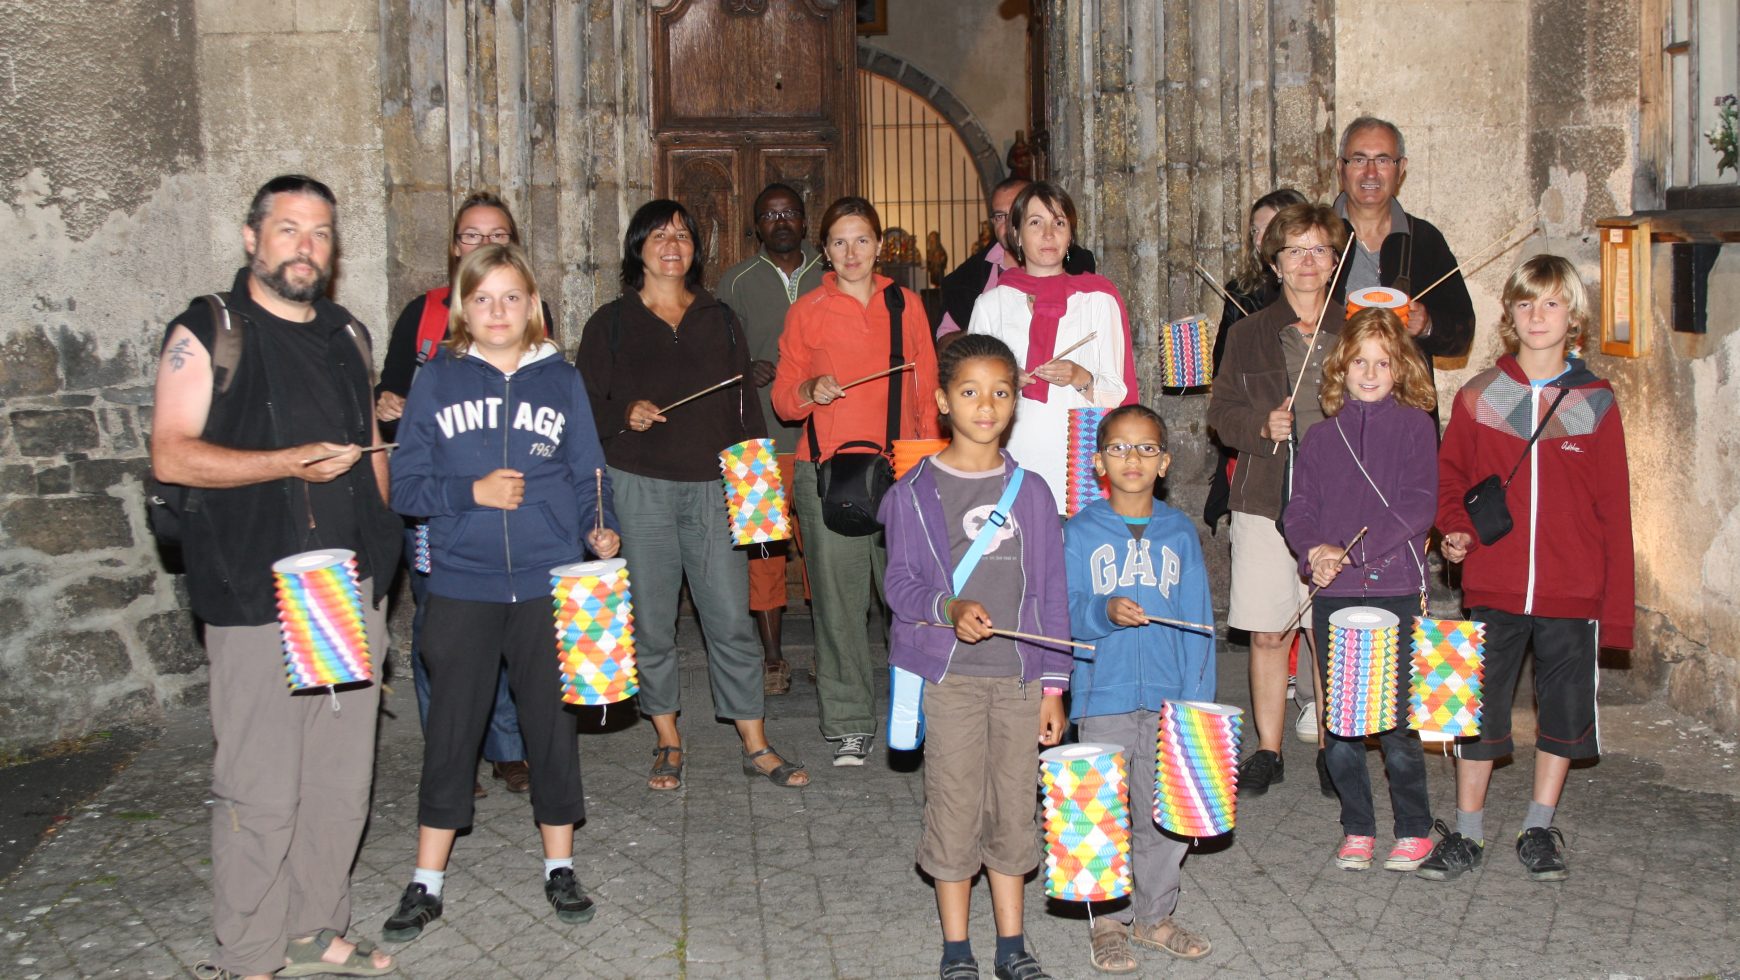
(851,484)
(1485,502)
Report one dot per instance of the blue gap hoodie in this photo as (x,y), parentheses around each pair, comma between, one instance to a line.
(1135,667)
(464,419)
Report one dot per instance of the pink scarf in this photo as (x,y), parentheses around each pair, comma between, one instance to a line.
(1050,299)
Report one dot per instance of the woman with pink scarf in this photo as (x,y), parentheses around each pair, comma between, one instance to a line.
(1040,312)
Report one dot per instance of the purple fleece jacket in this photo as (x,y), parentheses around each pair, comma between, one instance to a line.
(920,576)
(1331,501)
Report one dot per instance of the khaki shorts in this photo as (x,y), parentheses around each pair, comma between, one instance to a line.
(1266,586)
(981,777)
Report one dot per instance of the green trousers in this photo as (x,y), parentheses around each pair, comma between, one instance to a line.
(843,571)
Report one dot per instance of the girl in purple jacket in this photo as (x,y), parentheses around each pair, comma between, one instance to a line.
(1372,464)
(989,700)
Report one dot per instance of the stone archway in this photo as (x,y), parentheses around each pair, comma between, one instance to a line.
(972,132)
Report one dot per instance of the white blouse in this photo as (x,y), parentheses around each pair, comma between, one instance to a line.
(1038,438)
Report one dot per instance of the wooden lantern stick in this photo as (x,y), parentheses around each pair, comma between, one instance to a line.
(1033,637)
(1181,624)
(598,475)
(1530,220)
(909,365)
(1224,293)
(704,391)
(366,451)
(1307,603)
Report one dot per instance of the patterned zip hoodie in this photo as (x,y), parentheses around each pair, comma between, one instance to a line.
(465,419)
(1569,555)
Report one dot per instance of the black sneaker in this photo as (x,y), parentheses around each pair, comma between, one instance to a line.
(1021,966)
(417,908)
(1324,783)
(1454,855)
(967,969)
(1541,850)
(570,903)
(1261,769)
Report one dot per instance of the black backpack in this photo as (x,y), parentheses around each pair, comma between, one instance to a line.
(168,504)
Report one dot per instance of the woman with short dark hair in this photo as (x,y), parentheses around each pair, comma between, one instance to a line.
(1040,310)
(666,338)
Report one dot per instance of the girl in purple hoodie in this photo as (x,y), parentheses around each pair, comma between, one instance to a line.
(1372,464)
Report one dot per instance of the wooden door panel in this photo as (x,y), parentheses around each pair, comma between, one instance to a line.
(709,181)
(805,169)
(734,62)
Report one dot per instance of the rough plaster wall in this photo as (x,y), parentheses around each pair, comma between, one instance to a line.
(294,86)
(99,164)
(973,50)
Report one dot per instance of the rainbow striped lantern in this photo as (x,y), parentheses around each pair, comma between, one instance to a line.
(1196,771)
(1087,822)
(320,616)
(420,554)
(594,631)
(1186,353)
(753,492)
(1082,484)
(1444,693)
(1363,664)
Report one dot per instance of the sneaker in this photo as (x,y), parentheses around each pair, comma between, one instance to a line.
(1021,966)
(967,969)
(1454,855)
(1541,850)
(562,888)
(1258,771)
(853,750)
(1292,687)
(1408,853)
(417,908)
(1355,853)
(1325,785)
(1305,728)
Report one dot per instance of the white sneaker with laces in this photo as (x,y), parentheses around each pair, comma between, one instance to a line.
(1305,729)
(852,750)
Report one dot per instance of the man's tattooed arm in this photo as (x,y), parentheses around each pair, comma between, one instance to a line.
(179,353)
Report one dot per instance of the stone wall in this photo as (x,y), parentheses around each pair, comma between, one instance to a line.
(133,136)
(1167,120)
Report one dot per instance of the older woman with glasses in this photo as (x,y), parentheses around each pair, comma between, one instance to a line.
(1256,410)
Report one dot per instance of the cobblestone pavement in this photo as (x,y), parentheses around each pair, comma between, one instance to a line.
(734,877)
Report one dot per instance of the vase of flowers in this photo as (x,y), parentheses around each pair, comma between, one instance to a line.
(1722,135)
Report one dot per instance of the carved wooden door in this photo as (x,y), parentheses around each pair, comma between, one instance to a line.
(747,92)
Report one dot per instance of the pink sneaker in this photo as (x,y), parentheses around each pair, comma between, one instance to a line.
(1355,853)
(1407,854)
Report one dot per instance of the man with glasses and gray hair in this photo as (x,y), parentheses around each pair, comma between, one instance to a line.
(979,273)
(1394,248)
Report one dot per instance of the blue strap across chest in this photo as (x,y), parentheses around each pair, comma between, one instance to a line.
(998,517)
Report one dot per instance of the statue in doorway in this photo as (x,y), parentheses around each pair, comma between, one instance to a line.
(936,258)
(1020,158)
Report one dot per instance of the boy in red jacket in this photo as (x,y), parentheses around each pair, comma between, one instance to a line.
(1561,578)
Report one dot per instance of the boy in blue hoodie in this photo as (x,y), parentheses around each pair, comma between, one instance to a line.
(1130,557)
(498,449)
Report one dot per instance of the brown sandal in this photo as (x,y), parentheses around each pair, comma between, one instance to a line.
(780,775)
(1110,949)
(776,678)
(1169,936)
(663,769)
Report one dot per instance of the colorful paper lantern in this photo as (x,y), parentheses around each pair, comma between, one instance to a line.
(754,494)
(1087,822)
(1363,671)
(1444,691)
(907,453)
(320,617)
(1186,353)
(594,631)
(1196,770)
(1381,297)
(1082,484)
(420,553)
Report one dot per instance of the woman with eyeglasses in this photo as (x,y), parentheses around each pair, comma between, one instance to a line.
(1041,312)
(483,219)
(1255,410)
(663,339)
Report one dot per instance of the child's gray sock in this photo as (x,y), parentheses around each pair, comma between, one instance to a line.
(1540,815)
(1471,824)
